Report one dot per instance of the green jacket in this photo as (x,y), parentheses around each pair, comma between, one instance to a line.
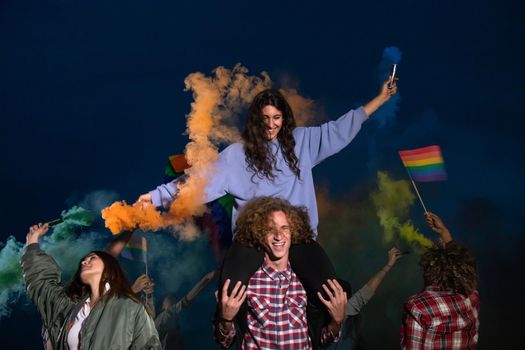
(120,323)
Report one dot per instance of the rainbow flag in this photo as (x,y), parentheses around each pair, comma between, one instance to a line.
(136,249)
(424,164)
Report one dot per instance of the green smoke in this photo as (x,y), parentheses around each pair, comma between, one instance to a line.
(72,219)
(63,244)
(392,201)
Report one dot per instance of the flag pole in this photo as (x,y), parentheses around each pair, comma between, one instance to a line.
(417,192)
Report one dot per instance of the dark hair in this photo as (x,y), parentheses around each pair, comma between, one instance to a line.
(112,274)
(252,223)
(450,267)
(259,157)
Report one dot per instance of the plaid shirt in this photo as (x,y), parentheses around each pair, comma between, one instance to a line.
(276,313)
(435,319)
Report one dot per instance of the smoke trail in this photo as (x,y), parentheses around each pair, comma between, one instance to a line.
(304,109)
(74,217)
(392,201)
(10,275)
(63,244)
(386,114)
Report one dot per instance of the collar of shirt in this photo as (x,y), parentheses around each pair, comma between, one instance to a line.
(274,274)
(437,289)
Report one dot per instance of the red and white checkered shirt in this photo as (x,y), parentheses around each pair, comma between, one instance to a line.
(435,319)
(276,313)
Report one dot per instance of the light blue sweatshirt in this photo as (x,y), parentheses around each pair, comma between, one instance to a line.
(312,145)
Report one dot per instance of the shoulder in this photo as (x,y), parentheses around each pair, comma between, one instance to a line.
(127,305)
(416,302)
(233,150)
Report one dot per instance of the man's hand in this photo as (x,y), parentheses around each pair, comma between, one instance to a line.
(230,304)
(35,232)
(437,225)
(336,302)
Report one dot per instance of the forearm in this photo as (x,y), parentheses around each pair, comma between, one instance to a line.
(375,104)
(374,282)
(358,300)
(331,333)
(224,333)
(115,247)
(198,288)
(445,236)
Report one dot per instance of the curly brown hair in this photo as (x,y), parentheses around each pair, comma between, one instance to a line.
(259,157)
(450,267)
(252,223)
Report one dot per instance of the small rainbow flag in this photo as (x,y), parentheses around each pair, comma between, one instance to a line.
(424,164)
(136,249)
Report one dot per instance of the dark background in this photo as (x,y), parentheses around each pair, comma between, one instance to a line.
(91,98)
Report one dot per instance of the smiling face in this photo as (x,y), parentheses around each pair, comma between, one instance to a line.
(273,121)
(278,240)
(91,267)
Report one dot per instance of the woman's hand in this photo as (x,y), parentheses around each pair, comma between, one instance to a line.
(35,232)
(145,199)
(382,98)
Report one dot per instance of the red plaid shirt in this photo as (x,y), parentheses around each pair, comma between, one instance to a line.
(435,319)
(276,313)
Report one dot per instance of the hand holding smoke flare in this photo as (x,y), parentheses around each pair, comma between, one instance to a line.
(393,77)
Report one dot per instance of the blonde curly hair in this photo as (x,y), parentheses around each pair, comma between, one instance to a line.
(252,223)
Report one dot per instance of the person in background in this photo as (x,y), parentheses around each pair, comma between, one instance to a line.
(445,314)
(167,320)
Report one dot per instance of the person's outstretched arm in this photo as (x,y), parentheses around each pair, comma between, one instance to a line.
(330,138)
(43,280)
(360,298)
(381,99)
(116,246)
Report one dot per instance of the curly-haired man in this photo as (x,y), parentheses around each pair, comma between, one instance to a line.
(445,314)
(270,312)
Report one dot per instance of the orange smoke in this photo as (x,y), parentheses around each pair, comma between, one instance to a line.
(218,100)
(123,217)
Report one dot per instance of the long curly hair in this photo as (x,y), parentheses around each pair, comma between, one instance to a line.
(450,267)
(259,157)
(112,274)
(252,223)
